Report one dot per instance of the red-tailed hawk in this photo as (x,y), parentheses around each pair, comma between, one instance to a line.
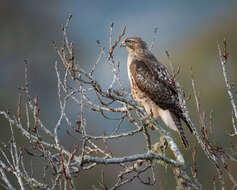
(152,86)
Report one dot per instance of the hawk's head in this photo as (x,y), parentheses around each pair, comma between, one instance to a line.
(134,43)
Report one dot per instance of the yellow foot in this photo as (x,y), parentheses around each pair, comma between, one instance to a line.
(147,122)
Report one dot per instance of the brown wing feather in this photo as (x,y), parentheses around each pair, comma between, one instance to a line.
(154,81)
(151,82)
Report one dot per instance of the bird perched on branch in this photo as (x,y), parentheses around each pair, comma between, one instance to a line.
(153,87)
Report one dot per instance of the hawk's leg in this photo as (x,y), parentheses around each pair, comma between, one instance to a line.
(147,122)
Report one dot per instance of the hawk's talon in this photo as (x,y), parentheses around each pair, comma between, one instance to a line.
(147,122)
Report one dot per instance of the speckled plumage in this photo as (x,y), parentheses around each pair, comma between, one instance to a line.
(152,86)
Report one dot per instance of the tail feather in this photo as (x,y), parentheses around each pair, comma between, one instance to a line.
(178,124)
(179,112)
(173,121)
(184,139)
(189,125)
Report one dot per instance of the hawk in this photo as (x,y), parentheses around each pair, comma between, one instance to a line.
(152,86)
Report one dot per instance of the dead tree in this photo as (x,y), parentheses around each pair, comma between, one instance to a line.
(79,85)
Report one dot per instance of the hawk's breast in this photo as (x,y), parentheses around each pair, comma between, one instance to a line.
(141,97)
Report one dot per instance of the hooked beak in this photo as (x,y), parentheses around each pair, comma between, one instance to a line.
(123,44)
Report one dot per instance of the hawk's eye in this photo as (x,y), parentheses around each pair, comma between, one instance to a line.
(128,41)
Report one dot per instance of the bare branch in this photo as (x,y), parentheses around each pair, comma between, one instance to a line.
(223,59)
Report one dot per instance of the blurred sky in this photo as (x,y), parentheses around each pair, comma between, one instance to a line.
(27,28)
(188,29)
